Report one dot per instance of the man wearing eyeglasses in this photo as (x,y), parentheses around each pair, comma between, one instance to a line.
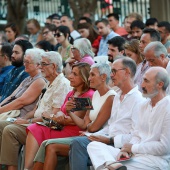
(48,35)
(119,127)
(17,74)
(5,63)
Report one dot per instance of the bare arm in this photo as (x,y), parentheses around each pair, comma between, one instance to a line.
(103,116)
(29,96)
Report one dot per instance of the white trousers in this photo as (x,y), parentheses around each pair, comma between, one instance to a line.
(101,154)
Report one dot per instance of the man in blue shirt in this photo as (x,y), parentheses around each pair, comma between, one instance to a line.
(5,63)
(17,74)
(106,33)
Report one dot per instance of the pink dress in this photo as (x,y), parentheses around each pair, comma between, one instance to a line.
(42,133)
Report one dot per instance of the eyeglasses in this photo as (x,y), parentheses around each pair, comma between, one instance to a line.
(114,71)
(45,64)
(27,62)
(58,34)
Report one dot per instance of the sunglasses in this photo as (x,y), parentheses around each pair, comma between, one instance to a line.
(58,34)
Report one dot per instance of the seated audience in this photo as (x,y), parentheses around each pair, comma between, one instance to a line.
(113,19)
(151,23)
(45,45)
(123,71)
(87,31)
(148,35)
(56,20)
(164,30)
(34,28)
(38,133)
(128,21)
(25,96)
(93,121)
(82,52)
(17,74)
(115,48)
(48,32)
(11,31)
(85,20)
(147,150)
(50,102)
(5,63)
(156,55)
(106,33)
(136,29)
(67,21)
(132,51)
(62,36)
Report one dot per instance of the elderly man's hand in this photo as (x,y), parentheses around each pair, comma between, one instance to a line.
(127,148)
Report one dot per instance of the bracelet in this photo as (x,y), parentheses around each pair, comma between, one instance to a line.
(111,140)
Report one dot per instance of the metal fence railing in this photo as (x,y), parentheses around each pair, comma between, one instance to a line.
(40,9)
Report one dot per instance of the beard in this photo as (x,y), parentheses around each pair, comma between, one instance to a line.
(17,63)
(149,95)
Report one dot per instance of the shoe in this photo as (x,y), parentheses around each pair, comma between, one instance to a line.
(116,166)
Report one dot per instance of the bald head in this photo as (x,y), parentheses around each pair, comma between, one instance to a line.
(160,75)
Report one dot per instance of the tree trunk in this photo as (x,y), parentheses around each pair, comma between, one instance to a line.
(17,13)
(79,7)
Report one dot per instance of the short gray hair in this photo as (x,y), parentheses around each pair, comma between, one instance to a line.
(157,47)
(162,76)
(35,54)
(129,63)
(84,47)
(54,57)
(103,68)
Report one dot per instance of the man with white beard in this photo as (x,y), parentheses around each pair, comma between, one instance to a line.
(149,145)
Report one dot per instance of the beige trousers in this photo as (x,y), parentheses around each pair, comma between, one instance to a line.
(12,137)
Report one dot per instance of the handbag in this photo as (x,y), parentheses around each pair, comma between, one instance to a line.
(52,124)
(9,114)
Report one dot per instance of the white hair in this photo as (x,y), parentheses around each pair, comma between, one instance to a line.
(84,47)
(157,47)
(54,57)
(35,54)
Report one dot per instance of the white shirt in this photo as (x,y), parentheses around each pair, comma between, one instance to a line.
(122,121)
(152,134)
(168,70)
(54,96)
(74,34)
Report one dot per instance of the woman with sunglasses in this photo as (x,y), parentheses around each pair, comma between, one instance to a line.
(37,133)
(63,37)
(82,52)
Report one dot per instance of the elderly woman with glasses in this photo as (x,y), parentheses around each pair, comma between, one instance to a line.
(94,120)
(50,102)
(19,103)
(37,133)
(82,52)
